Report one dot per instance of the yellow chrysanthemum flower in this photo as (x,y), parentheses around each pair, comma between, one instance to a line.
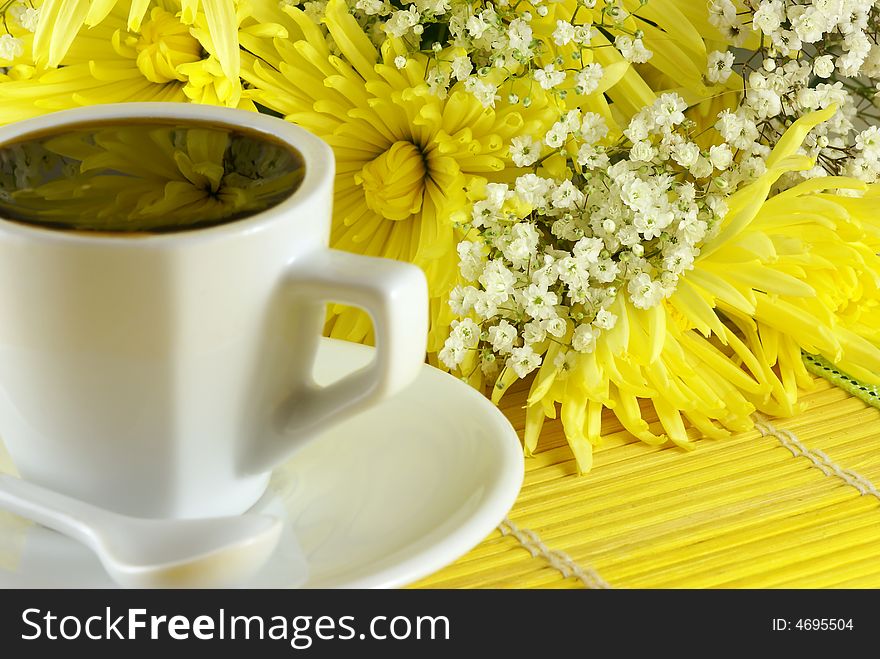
(673,30)
(61,20)
(162,60)
(796,271)
(404,156)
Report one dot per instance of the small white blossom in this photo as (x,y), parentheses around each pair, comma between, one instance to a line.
(823,66)
(433,7)
(401,22)
(556,136)
(644,292)
(549,77)
(642,151)
(471,256)
(503,337)
(519,35)
(564,33)
(605,319)
(765,103)
(464,336)
(26,17)
(593,127)
(584,338)
(461,67)
(567,196)
(722,13)
(523,360)
(485,92)
(768,17)
(370,7)
(868,142)
(497,281)
(533,189)
(668,110)
(476,26)
(10,47)
(720,156)
(633,50)
(587,79)
(524,151)
(720,64)
(686,154)
(591,157)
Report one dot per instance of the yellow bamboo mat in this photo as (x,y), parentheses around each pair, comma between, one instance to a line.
(793,507)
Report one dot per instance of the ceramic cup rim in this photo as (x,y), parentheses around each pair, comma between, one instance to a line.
(316,154)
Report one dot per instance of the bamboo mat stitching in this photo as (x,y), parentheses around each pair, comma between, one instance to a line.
(558,560)
(821,461)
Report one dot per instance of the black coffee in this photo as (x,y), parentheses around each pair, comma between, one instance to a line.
(144,176)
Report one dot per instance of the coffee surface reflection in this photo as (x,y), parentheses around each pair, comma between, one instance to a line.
(144,176)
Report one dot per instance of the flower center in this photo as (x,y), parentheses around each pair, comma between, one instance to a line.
(394,182)
(165,43)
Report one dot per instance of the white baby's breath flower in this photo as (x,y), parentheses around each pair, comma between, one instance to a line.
(633,50)
(768,17)
(461,67)
(868,142)
(523,360)
(464,336)
(497,280)
(519,35)
(584,338)
(471,256)
(11,47)
(451,354)
(467,332)
(401,22)
(605,319)
(583,35)
(720,156)
(503,337)
(26,17)
(765,103)
(524,151)
(720,64)
(591,157)
(564,33)
(593,127)
(534,332)
(722,13)
(567,196)
(686,154)
(823,66)
(370,7)
(644,292)
(533,189)
(476,26)
(484,91)
(556,136)
(433,7)
(668,110)
(642,151)
(549,77)
(587,79)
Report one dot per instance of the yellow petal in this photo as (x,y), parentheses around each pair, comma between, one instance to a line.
(223,26)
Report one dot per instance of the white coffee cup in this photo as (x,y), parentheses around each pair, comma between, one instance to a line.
(166,375)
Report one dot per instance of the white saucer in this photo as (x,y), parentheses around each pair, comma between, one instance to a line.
(380,501)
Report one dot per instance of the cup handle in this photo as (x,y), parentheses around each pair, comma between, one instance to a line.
(395,295)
